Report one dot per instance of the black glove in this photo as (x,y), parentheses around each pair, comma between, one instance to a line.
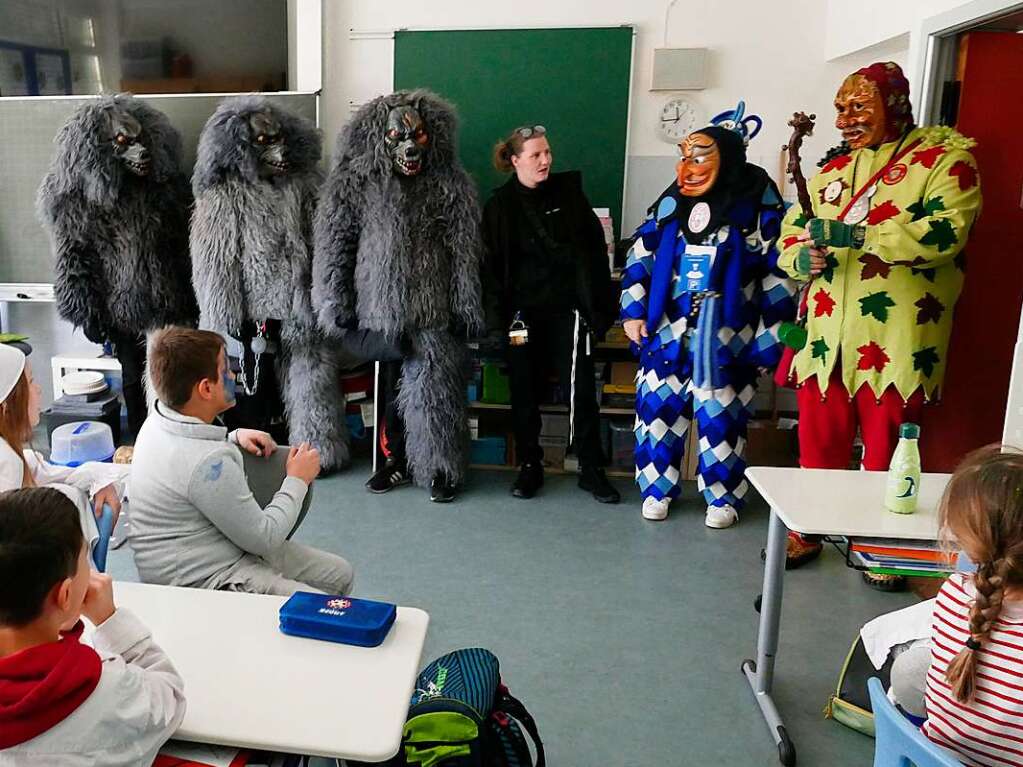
(94,330)
(347,321)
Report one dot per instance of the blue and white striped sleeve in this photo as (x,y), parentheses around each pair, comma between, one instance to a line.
(636,275)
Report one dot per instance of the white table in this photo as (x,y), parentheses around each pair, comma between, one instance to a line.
(248,685)
(821,502)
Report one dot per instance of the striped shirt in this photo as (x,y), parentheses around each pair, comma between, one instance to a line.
(989,730)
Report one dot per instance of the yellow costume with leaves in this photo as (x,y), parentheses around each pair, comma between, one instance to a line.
(884,311)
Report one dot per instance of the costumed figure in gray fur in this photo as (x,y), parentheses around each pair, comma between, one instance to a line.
(398,249)
(115,206)
(255,184)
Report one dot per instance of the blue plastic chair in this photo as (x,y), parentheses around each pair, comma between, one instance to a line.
(898,742)
(105,525)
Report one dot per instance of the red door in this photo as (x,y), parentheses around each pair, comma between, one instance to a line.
(987,316)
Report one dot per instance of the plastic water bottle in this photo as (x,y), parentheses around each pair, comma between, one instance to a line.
(903,489)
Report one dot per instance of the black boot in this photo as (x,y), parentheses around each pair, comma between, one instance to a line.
(389,476)
(594,480)
(530,480)
(442,489)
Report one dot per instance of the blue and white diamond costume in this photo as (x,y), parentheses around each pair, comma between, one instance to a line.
(705,362)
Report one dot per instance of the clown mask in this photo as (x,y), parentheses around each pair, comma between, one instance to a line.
(861,114)
(698,169)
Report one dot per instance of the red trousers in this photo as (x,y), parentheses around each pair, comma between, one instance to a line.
(827,423)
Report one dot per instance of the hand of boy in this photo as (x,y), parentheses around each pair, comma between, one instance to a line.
(304,463)
(99,598)
(256,442)
(107,495)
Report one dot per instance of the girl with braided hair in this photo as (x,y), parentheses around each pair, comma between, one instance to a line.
(973,693)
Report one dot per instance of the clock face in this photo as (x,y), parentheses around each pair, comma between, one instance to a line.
(678,118)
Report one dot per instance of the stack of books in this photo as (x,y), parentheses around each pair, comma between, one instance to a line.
(891,556)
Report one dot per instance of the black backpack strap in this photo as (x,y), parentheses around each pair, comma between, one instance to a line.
(513,707)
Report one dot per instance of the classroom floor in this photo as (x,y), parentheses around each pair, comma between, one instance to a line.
(623,637)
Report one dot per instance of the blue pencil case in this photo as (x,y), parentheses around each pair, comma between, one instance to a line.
(346,620)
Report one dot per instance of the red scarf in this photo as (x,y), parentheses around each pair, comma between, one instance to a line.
(41,686)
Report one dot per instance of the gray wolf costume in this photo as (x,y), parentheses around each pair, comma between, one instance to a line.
(255,185)
(398,251)
(115,206)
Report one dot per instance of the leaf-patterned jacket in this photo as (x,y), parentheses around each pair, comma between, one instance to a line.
(884,311)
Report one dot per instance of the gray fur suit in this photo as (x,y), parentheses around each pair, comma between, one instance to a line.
(397,251)
(115,206)
(255,185)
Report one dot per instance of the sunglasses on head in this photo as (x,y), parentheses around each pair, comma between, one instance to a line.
(536,130)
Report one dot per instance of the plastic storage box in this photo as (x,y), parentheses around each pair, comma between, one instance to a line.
(337,619)
(496,388)
(623,445)
(79,442)
(69,410)
(490,451)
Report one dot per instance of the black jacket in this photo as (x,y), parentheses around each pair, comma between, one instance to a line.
(505,223)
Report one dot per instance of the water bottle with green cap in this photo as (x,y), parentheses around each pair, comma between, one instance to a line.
(903,488)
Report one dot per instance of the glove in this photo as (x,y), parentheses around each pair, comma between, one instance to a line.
(837,234)
(94,330)
(803,260)
(347,321)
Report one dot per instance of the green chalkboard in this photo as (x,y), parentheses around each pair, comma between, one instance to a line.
(575,82)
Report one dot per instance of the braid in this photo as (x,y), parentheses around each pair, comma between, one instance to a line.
(990,581)
(835,151)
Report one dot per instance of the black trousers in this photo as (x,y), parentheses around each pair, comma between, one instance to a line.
(549,349)
(394,427)
(130,351)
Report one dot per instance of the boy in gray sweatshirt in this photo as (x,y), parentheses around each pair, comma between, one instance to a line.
(194,520)
(61,701)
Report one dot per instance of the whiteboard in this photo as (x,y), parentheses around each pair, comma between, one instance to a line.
(27,129)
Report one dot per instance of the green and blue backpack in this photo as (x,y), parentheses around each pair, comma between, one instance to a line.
(462,715)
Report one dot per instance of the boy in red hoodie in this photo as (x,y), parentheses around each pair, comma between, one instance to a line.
(62,702)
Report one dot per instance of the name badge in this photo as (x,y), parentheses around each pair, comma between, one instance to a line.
(696,264)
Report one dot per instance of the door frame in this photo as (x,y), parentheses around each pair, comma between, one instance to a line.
(932,56)
(932,50)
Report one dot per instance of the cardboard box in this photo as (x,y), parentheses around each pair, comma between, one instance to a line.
(554,425)
(555,441)
(616,335)
(768,444)
(624,374)
(553,457)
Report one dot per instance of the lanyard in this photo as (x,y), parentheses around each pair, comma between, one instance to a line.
(874,179)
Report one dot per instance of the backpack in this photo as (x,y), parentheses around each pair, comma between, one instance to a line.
(462,715)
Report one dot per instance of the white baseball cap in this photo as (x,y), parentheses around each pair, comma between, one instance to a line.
(12,365)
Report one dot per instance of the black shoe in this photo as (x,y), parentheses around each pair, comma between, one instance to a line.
(530,480)
(441,489)
(389,476)
(595,481)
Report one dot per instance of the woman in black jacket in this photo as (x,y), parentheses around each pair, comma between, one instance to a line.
(547,270)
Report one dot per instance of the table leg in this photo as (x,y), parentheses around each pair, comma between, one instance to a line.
(760,674)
